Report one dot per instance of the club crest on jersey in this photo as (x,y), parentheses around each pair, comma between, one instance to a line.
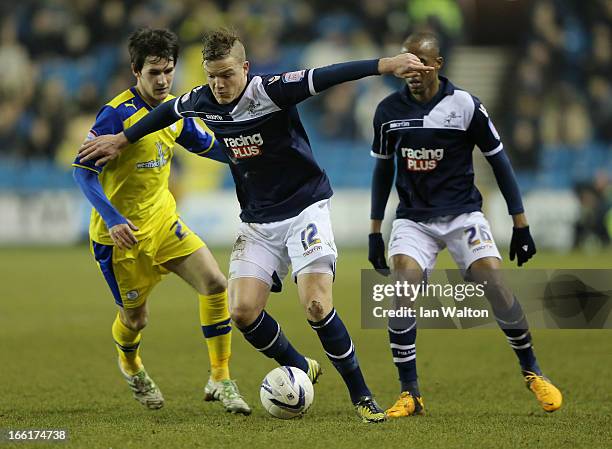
(244,146)
(452,120)
(252,107)
(293,77)
(422,159)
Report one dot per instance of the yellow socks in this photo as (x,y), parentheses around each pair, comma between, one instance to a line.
(215,321)
(127,342)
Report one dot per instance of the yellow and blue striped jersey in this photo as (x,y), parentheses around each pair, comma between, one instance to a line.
(136,182)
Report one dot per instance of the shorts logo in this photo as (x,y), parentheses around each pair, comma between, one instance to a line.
(482,247)
(293,77)
(422,159)
(132,295)
(244,146)
(312,250)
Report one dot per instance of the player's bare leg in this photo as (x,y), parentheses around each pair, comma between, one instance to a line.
(402,340)
(511,319)
(248,298)
(126,333)
(315,292)
(201,271)
(499,295)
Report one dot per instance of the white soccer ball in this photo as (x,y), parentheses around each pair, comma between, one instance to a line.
(286,392)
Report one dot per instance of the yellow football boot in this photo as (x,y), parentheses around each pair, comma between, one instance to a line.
(549,396)
(369,411)
(406,405)
(314,370)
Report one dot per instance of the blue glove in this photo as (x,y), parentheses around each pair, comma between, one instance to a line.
(522,245)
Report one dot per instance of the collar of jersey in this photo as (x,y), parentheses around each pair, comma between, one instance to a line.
(446,88)
(143,102)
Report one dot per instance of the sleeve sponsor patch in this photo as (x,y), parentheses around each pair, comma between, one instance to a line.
(293,77)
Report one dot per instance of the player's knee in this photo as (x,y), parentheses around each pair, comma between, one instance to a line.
(317,309)
(486,264)
(242,315)
(408,274)
(135,321)
(486,271)
(217,283)
(406,269)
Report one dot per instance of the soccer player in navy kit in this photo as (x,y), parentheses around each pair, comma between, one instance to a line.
(283,193)
(430,127)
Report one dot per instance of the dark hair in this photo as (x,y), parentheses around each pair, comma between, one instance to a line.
(422,36)
(219,43)
(159,43)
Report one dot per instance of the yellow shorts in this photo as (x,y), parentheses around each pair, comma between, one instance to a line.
(131,274)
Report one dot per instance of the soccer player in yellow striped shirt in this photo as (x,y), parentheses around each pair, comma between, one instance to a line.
(136,233)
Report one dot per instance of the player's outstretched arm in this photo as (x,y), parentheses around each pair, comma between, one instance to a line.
(293,87)
(105,148)
(120,228)
(401,66)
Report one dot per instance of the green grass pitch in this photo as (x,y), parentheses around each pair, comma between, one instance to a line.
(58,370)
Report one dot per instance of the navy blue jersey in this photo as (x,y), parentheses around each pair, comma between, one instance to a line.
(433,144)
(261,132)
